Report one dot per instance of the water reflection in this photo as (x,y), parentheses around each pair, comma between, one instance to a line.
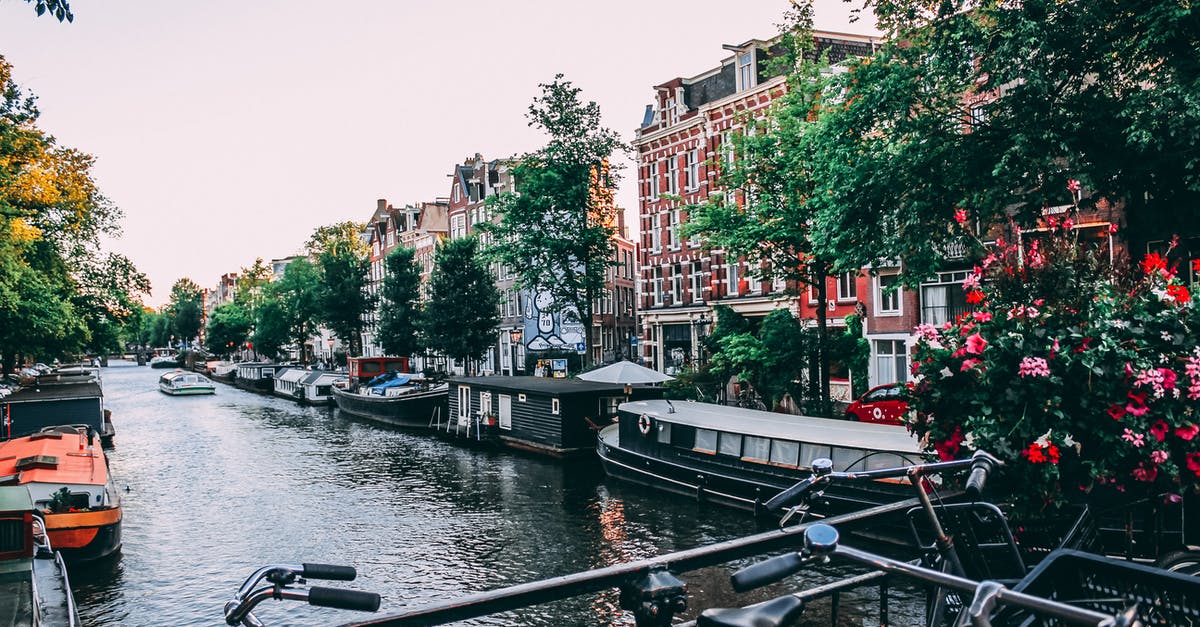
(220,485)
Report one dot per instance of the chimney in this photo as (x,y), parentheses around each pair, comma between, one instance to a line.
(381,204)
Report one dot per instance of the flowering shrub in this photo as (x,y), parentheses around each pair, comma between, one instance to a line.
(1079,378)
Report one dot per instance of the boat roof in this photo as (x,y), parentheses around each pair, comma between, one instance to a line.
(66,391)
(843,433)
(541,385)
(317,375)
(291,374)
(75,464)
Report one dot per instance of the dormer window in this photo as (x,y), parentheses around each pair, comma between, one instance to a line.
(457,192)
(746,75)
(672,115)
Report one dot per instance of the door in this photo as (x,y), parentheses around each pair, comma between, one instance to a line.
(505,411)
(464,405)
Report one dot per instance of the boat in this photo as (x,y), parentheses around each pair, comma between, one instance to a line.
(287,382)
(164,358)
(316,388)
(34,587)
(48,403)
(184,383)
(256,376)
(395,399)
(742,457)
(223,371)
(67,477)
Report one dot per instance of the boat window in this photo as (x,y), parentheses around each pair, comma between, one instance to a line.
(368,367)
(843,457)
(809,452)
(879,461)
(730,444)
(555,406)
(706,441)
(609,404)
(757,449)
(664,432)
(784,452)
(323,390)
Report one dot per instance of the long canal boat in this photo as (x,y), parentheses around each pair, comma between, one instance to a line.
(256,376)
(743,457)
(35,590)
(401,401)
(54,402)
(66,474)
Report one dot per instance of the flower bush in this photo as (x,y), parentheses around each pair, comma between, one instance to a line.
(1085,381)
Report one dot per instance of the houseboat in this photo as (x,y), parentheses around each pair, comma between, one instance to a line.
(287,382)
(316,388)
(66,474)
(363,369)
(164,358)
(34,587)
(184,383)
(743,457)
(37,406)
(256,376)
(557,417)
(395,399)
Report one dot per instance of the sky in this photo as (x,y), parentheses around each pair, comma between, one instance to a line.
(227,130)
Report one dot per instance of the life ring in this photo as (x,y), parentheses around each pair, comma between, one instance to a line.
(644,424)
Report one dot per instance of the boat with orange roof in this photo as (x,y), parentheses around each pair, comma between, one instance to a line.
(66,473)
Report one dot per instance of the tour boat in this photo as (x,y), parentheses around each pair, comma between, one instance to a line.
(34,587)
(395,399)
(743,457)
(184,383)
(66,474)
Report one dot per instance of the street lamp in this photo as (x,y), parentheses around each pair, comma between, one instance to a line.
(632,331)
(701,325)
(330,342)
(514,337)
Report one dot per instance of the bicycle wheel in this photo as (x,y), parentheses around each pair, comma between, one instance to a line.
(1182,562)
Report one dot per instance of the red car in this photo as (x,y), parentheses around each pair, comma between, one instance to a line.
(881,404)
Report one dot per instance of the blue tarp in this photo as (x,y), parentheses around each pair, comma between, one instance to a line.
(387,380)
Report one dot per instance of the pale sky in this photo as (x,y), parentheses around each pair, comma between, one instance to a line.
(230,129)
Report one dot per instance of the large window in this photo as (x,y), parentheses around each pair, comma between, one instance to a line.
(745,70)
(847,286)
(673,175)
(673,229)
(887,295)
(706,441)
(891,361)
(757,449)
(944,299)
(693,170)
(653,178)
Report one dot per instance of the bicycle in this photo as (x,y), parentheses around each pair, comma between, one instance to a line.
(992,601)
(281,578)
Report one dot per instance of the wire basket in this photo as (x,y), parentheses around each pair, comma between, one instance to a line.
(1109,586)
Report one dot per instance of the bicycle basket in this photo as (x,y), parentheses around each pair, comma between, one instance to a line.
(1109,586)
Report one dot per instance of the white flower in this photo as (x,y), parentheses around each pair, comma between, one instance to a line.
(969,440)
(1044,441)
(946,373)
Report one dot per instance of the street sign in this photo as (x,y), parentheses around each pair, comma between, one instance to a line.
(633,340)
(580,348)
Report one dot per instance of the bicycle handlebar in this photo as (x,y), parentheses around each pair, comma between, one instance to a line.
(332,572)
(343,599)
(239,611)
(981,465)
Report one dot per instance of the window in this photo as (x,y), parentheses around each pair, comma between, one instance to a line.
(745,70)
(693,170)
(944,299)
(485,403)
(655,234)
(887,295)
(697,290)
(891,361)
(464,403)
(706,441)
(555,406)
(676,286)
(784,452)
(673,175)
(673,229)
(458,226)
(809,452)
(730,444)
(652,176)
(847,286)
(727,149)
(664,432)
(657,285)
(733,278)
(671,113)
(756,449)
(505,411)
(457,192)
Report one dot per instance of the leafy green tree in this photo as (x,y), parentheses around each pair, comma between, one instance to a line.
(345,299)
(400,307)
(109,295)
(271,329)
(161,328)
(251,283)
(299,294)
(59,9)
(462,311)
(555,231)
(228,327)
(186,308)
(1099,92)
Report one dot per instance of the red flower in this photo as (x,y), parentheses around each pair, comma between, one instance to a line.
(976,344)
(1117,411)
(1052,453)
(975,297)
(948,449)
(1196,266)
(1145,472)
(960,216)
(1159,430)
(1193,463)
(1179,293)
(1073,185)
(1153,262)
(1034,454)
(1187,432)
(1169,378)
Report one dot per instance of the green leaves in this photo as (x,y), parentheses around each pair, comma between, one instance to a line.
(461,314)
(400,307)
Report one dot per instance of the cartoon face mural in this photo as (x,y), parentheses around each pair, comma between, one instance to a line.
(546,329)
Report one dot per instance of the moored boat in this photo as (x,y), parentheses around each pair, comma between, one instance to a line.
(164,358)
(256,376)
(66,474)
(36,406)
(184,383)
(316,388)
(399,401)
(34,588)
(287,382)
(743,457)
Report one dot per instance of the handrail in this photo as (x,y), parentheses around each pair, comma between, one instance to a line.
(566,586)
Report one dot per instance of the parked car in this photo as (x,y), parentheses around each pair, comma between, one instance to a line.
(881,404)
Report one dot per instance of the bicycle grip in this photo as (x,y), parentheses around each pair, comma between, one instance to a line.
(790,495)
(343,599)
(766,571)
(981,465)
(329,571)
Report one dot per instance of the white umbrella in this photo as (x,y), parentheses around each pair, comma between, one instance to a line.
(625,373)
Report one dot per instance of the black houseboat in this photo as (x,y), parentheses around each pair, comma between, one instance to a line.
(49,404)
(382,390)
(256,376)
(743,457)
(558,417)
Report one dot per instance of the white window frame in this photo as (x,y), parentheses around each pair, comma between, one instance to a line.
(652,175)
(847,281)
(881,298)
(673,175)
(464,409)
(902,374)
(745,68)
(505,417)
(731,278)
(693,170)
(673,229)
(697,280)
(555,406)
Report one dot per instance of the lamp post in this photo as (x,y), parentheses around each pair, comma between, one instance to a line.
(331,364)
(701,325)
(514,337)
(632,329)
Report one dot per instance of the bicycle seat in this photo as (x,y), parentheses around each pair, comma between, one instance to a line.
(773,613)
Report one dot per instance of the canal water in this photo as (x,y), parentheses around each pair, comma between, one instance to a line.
(215,486)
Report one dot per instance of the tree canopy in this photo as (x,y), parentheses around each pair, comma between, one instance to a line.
(555,231)
(400,307)
(462,311)
(344,295)
(186,309)
(228,327)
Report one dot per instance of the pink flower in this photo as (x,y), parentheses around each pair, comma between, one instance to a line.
(981,316)
(971,282)
(1034,367)
(1136,439)
(960,216)
(968,364)
(1159,457)
(1073,185)
(1187,432)
(1193,463)
(1145,473)
(976,344)
(1112,228)
(1168,378)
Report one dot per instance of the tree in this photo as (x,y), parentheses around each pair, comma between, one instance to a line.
(463,307)
(342,257)
(299,296)
(1098,92)
(60,9)
(555,231)
(186,309)
(108,297)
(228,327)
(250,285)
(400,307)
(764,210)
(271,328)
